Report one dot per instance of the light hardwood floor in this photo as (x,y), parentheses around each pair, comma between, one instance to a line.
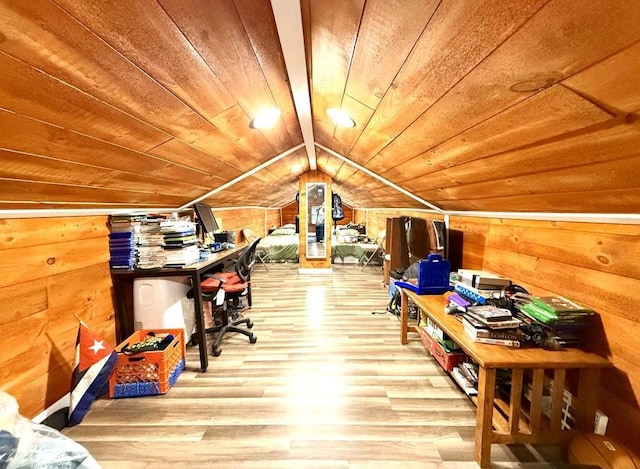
(327,385)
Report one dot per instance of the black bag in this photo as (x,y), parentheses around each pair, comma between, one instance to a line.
(395,303)
(337,213)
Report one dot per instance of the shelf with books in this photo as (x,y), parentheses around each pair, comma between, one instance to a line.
(505,417)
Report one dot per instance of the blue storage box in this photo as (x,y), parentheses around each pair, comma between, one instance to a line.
(433,276)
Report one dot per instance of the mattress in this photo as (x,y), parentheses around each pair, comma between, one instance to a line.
(280,248)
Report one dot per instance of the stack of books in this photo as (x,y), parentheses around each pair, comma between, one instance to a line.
(123,240)
(492,325)
(563,319)
(151,253)
(180,243)
(466,375)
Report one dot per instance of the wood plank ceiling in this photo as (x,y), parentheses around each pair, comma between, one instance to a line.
(476,105)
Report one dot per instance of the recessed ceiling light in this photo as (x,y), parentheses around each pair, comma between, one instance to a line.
(536,83)
(265,118)
(340,117)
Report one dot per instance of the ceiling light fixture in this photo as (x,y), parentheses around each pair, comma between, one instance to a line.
(536,83)
(340,117)
(265,118)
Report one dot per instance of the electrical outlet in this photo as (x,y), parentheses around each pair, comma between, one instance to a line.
(601,423)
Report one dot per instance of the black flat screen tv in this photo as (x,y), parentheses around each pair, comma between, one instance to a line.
(205,218)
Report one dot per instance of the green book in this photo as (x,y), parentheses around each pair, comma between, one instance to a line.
(539,313)
(559,305)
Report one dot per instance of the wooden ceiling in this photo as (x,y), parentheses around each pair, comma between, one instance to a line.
(527,105)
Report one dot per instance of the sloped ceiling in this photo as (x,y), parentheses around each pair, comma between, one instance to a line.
(526,106)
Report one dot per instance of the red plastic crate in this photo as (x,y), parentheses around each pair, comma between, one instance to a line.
(148,373)
(425,338)
(446,360)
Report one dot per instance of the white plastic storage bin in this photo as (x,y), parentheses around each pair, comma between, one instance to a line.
(162,303)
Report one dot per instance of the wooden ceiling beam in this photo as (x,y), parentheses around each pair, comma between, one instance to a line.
(289,24)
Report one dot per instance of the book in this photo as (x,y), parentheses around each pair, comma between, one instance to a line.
(506,342)
(470,371)
(503,324)
(576,319)
(466,385)
(490,313)
(487,333)
(558,305)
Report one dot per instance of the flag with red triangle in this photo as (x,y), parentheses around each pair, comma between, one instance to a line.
(95,360)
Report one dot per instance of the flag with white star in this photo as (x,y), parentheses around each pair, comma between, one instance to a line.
(95,360)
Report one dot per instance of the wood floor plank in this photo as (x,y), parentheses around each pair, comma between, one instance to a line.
(327,385)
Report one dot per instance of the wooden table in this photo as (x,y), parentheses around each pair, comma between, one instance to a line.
(123,289)
(502,421)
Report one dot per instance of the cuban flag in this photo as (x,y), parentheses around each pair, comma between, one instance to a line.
(95,360)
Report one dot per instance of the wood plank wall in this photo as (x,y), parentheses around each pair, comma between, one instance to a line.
(273,217)
(50,269)
(257,219)
(376,220)
(595,264)
(289,213)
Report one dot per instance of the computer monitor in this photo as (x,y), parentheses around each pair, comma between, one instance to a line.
(205,218)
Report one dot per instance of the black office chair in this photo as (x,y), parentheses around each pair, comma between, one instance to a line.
(237,287)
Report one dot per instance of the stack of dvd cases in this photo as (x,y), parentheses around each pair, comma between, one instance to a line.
(564,319)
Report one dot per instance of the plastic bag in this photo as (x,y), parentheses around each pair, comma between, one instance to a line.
(28,445)
(16,435)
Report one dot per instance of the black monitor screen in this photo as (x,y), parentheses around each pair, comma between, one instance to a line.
(206,218)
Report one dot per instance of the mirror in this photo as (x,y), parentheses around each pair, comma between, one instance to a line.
(318,220)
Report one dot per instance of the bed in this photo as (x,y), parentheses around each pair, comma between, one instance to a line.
(282,245)
(348,246)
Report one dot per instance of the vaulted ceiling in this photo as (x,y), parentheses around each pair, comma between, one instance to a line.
(527,105)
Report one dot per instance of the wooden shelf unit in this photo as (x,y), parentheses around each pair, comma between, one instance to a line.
(508,421)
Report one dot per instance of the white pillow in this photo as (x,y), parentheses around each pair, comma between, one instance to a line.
(348,232)
(283,232)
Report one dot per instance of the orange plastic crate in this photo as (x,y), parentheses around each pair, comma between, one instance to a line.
(148,373)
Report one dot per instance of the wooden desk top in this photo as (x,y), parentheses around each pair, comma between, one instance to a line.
(500,356)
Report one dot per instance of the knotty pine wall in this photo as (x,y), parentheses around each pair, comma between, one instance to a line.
(259,220)
(376,220)
(50,269)
(289,213)
(596,264)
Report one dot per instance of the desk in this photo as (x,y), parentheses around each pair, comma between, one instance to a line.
(123,288)
(500,420)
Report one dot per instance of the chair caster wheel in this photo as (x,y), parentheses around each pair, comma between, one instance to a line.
(249,325)
(216,352)
(253,339)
